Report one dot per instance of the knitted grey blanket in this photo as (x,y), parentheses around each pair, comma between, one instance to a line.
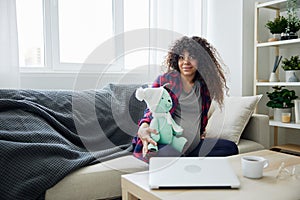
(45,135)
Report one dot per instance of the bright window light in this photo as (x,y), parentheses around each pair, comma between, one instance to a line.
(83,26)
(136,16)
(30,32)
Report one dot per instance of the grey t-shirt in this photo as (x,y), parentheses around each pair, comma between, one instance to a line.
(188,116)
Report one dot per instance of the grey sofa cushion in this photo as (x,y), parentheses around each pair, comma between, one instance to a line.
(245,146)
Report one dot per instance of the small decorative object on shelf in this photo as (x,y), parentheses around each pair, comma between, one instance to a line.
(281,100)
(274,75)
(286,117)
(293,22)
(297,111)
(291,67)
(276,27)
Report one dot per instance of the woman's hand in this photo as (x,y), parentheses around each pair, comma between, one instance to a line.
(144,134)
(203,135)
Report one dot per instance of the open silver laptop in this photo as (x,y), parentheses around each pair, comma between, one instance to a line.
(191,172)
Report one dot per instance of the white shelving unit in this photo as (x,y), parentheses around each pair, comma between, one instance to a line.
(269,84)
(284,125)
(277,6)
(278,43)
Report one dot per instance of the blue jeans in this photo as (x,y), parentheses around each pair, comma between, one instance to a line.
(209,147)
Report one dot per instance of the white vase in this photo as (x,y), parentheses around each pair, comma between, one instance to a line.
(277,36)
(292,75)
(278,113)
(274,77)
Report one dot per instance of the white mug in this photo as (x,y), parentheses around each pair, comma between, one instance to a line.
(252,166)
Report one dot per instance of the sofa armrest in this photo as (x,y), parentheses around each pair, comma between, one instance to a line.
(258,130)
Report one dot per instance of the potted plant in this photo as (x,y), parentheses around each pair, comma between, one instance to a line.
(291,67)
(293,22)
(281,100)
(276,27)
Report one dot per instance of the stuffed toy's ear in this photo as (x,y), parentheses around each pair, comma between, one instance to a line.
(140,94)
(166,85)
(151,96)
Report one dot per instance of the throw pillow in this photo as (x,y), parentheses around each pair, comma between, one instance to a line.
(230,121)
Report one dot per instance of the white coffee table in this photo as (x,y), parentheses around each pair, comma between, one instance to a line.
(135,186)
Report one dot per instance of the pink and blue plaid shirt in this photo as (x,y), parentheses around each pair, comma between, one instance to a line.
(175,85)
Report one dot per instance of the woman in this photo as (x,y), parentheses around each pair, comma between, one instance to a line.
(195,77)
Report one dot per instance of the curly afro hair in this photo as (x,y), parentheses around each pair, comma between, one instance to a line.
(209,64)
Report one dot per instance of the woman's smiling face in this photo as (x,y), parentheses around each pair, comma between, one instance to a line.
(187,64)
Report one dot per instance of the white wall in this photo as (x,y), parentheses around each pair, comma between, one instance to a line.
(230,28)
(224,32)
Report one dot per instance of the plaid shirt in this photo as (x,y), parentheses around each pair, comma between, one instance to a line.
(175,85)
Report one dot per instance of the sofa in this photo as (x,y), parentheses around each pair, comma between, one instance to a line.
(63,144)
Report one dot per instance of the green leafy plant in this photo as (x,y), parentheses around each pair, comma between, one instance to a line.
(281,98)
(293,22)
(291,64)
(294,26)
(278,25)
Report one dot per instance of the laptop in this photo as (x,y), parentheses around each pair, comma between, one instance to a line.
(191,172)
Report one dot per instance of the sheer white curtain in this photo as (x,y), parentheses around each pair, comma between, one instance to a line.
(179,17)
(182,16)
(9,53)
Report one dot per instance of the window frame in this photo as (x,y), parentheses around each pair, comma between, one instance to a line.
(51,42)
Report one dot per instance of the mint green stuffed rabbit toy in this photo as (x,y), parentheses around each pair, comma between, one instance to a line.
(160,103)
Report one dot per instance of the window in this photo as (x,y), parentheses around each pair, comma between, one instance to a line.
(83,25)
(30,32)
(140,57)
(61,34)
